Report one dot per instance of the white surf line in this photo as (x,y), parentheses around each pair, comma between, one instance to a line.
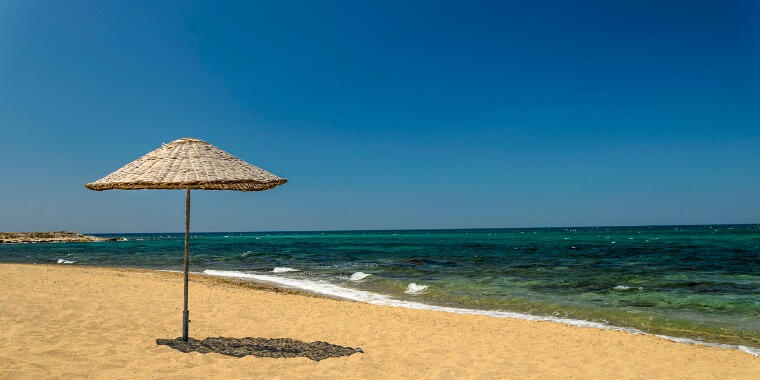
(284,270)
(336,291)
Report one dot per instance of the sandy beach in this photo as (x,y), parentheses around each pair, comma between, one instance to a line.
(74,322)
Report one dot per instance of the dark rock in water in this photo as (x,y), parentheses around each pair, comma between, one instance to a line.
(260,347)
(420,262)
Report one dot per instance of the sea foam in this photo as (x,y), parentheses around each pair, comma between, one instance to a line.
(332,290)
(626,287)
(413,288)
(62,261)
(284,270)
(358,276)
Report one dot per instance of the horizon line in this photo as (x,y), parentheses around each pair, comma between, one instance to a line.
(436,229)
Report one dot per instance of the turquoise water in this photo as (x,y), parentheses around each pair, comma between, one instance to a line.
(700,282)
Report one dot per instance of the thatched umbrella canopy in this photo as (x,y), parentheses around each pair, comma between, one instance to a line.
(188,164)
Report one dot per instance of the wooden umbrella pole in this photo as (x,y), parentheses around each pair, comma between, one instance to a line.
(185,312)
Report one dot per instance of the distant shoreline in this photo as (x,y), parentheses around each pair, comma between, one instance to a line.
(50,237)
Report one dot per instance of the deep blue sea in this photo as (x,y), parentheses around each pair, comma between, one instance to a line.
(697,282)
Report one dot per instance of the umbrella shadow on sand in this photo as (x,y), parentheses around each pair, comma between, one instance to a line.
(260,347)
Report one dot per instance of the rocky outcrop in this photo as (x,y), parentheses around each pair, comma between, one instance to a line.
(49,237)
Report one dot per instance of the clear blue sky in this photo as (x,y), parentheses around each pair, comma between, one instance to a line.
(385,114)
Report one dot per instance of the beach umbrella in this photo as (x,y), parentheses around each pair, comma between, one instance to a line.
(187,164)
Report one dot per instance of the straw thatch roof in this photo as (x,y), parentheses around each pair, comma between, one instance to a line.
(190,163)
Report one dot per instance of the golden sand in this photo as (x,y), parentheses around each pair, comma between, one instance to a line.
(75,322)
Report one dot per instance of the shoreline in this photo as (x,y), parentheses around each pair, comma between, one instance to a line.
(284,285)
(74,321)
(380,299)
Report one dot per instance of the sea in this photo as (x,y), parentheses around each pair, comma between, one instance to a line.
(692,284)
